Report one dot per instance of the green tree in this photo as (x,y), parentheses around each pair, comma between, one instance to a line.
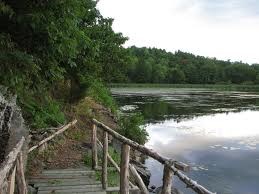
(257,79)
(176,76)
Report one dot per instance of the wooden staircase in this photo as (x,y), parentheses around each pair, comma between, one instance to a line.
(73,181)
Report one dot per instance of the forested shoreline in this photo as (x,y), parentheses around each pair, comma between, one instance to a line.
(151,65)
(54,53)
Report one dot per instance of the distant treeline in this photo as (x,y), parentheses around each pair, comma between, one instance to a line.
(151,65)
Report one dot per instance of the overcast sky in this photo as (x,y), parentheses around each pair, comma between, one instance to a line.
(226,29)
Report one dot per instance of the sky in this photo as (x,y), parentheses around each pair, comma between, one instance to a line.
(225,29)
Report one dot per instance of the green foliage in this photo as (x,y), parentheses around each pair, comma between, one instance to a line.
(131,126)
(41,112)
(257,79)
(45,42)
(77,134)
(88,160)
(151,65)
(83,108)
(113,176)
(18,69)
(176,76)
(115,155)
(239,73)
(101,94)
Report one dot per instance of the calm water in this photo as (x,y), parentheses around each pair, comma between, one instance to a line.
(216,132)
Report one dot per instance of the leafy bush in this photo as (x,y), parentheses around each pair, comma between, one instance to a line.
(101,94)
(88,160)
(41,113)
(131,126)
(115,155)
(83,108)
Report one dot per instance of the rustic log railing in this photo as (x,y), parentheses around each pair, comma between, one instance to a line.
(12,171)
(171,167)
(60,131)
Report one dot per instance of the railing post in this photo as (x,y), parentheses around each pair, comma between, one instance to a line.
(124,173)
(167,179)
(94,147)
(105,160)
(21,183)
(11,182)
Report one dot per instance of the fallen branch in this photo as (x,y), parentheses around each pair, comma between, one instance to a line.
(53,135)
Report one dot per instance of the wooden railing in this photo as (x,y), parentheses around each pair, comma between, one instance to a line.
(12,171)
(171,167)
(58,132)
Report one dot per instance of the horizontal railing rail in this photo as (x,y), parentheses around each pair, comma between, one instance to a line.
(60,131)
(171,167)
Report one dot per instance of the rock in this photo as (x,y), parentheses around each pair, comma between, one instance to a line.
(32,190)
(152,189)
(143,171)
(158,190)
(12,126)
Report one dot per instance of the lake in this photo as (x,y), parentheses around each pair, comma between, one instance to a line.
(215,132)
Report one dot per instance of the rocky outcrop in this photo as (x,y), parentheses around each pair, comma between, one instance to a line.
(12,126)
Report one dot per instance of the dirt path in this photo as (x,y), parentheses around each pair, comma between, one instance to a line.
(69,149)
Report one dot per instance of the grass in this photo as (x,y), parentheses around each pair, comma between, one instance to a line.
(77,134)
(102,94)
(237,87)
(113,177)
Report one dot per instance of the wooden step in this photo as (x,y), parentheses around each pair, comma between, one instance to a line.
(58,180)
(68,174)
(64,176)
(68,171)
(64,182)
(72,187)
(71,190)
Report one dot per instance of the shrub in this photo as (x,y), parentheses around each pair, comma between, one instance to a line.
(41,112)
(102,94)
(131,126)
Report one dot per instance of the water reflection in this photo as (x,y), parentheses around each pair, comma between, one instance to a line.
(215,132)
(220,125)
(183,104)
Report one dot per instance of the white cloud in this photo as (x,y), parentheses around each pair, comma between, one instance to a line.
(210,28)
